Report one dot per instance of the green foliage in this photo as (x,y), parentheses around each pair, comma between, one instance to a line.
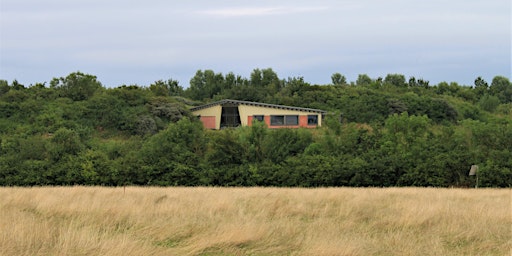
(382,132)
(363,79)
(164,108)
(171,156)
(205,84)
(481,87)
(166,88)
(282,143)
(495,175)
(396,80)
(253,141)
(76,86)
(105,110)
(264,78)
(64,142)
(224,148)
(438,110)
(132,95)
(489,103)
(4,87)
(501,87)
(338,79)
(505,109)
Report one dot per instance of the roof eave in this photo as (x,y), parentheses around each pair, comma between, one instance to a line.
(250,103)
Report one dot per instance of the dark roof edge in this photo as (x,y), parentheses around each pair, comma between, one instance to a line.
(250,103)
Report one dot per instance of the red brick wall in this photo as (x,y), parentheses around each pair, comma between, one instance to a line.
(267,120)
(303,121)
(208,122)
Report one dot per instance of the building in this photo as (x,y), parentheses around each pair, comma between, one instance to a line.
(234,113)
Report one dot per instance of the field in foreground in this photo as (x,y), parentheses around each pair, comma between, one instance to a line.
(254,221)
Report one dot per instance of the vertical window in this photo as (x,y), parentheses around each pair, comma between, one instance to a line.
(312,120)
(230,117)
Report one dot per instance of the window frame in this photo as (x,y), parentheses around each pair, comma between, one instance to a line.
(284,120)
(275,122)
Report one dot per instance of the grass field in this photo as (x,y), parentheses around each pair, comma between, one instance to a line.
(254,221)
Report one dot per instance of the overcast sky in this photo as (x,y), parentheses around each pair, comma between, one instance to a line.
(139,42)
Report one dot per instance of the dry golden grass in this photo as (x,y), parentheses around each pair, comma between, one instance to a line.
(254,221)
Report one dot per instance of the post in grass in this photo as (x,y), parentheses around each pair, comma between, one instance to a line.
(474,172)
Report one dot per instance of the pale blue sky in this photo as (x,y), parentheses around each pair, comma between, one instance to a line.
(139,42)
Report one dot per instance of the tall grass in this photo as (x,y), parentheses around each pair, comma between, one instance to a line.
(254,221)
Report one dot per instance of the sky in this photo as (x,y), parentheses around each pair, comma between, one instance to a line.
(128,42)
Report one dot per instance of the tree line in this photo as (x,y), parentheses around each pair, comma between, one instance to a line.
(389,131)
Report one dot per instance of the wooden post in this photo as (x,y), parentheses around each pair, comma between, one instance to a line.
(474,172)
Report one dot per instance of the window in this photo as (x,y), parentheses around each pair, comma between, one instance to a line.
(312,120)
(291,120)
(276,120)
(284,120)
(230,117)
(260,118)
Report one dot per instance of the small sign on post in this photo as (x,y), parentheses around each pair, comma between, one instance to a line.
(474,172)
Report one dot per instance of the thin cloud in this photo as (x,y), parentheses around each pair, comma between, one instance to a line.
(259,11)
(142,42)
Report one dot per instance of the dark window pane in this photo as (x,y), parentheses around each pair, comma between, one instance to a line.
(292,120)
(259,118)
(276,120)
(312,119)
(230,117)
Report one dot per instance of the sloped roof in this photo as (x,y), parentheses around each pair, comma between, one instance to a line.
(258,104)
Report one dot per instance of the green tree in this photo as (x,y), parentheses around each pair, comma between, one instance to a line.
(64,142)
(133,95)
(338,79)
(172,156)
(224,148)
(4,87)
(105,110)
(252,138)
(481,87)
(501,87)
(295,86)
(76,86)
(493,175)
(423,83)
(197,88)
(166,88)
(363,79)
(403,142)
(23,160)
(205,85)
(280,144)
(418,83)
(396,80)
(17,86)
(264,82)
(256,78)
(165,110)
(489,103)
(97,169)
(442,88)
